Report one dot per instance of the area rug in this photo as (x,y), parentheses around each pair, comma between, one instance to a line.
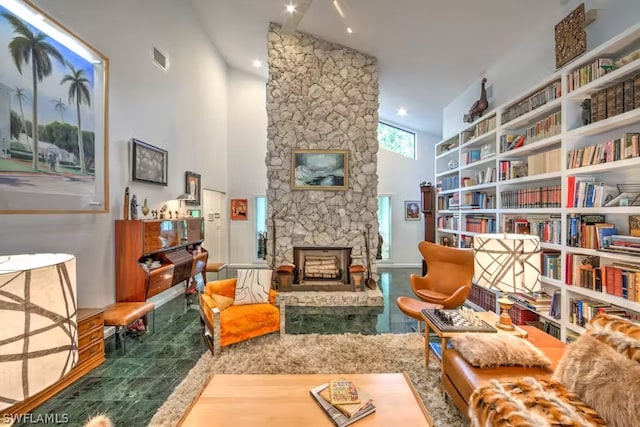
(321,354)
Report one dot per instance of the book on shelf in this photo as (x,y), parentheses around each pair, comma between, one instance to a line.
(335,415)
(634,225)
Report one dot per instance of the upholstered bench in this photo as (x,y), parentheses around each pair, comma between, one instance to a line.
(122,314)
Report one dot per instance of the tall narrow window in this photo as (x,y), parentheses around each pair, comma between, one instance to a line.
(384,227)
(400,141)
(261,227)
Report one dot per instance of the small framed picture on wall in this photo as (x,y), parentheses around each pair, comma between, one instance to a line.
(412,210)
(239,209)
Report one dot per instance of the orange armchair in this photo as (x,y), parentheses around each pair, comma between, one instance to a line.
(226,323)
(449,275)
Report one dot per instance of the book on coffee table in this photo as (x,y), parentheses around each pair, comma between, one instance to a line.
(335,415)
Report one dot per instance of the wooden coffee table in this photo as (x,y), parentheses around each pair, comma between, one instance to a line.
(488,316)
(284,400)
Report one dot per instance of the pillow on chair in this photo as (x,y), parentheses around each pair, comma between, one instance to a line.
(252,287)
(484,350)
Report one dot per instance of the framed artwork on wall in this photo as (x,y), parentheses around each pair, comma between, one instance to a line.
(412,210)
(193,187)
(239,209)
(148,163)
(53,116)
(319,170)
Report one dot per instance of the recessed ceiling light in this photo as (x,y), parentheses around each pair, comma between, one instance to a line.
(402,111)
(256,63)
(349,30)
(291,8)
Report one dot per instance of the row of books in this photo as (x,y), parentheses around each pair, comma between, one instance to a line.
(546,162)
(543,96)
(449,201)
(485,126)
(449,222)
(343,401)
(586,192)
(537,197)
(547,228)
(581,311)
(625,147)
(615,99)
(510,142)
(479,200)
(620,243)
(447,183)
(588,230)
(484,177)
(544,128)
(540,301)
(512,169)
(551,329)
(551,264)
(480,224)
(618,279)
(588,73)
(483,297)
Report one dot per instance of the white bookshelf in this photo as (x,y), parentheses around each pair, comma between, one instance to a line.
(571,134)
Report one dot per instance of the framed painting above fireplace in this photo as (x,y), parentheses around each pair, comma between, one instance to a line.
(319,169)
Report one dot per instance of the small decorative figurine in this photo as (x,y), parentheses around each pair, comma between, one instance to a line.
(586,111)
(479,106)
(163,210)
(170,215)
(134,207)
(176,216)
(145,208)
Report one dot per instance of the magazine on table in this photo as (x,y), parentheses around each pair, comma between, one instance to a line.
(335,415)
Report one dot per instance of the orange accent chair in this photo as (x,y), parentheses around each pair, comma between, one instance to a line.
(449,275)
(226,323)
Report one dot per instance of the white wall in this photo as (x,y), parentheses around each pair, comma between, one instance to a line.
(246,160)
(534,60)
(183,111)
(400,178)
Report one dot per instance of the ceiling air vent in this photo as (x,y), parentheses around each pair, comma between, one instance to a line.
(160,59)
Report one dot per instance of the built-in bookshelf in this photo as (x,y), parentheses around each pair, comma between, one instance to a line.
(542,164)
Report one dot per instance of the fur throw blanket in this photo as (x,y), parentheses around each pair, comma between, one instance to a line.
(604,379)
(529,403)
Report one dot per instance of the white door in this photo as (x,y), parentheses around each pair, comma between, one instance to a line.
(216,231)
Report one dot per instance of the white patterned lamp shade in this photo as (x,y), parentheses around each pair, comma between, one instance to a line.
(507,262)
(38,329)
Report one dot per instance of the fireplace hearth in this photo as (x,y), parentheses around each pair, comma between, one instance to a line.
(321,269)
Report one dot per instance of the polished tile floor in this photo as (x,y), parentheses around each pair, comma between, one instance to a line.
(131,387)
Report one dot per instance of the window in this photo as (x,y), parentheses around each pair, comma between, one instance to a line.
(384,226)
(398,140)
(261,227)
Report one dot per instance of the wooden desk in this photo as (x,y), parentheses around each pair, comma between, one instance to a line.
(488,316)
(284,400)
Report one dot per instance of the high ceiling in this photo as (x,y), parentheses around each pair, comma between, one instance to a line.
(428,51)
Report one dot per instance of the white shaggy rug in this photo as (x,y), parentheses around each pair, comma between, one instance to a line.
(314,353)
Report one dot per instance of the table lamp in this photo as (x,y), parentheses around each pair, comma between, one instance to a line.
(508,263)
(38,333)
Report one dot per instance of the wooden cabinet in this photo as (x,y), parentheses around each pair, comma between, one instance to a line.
(173,245)
(90,355)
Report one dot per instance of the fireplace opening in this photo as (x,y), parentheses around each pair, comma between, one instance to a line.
(321,268)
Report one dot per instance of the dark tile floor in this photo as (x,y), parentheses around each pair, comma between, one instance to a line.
(131,386)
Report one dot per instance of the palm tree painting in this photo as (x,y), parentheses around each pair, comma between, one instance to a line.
(78,92)
(28,47)
(54,129)
(21,96)
(60,106)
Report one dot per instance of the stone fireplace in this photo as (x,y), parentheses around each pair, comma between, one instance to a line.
(321,96)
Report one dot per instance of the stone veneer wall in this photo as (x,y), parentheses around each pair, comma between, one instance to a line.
(321,95)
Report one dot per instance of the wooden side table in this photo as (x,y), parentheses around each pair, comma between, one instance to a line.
(488,316)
